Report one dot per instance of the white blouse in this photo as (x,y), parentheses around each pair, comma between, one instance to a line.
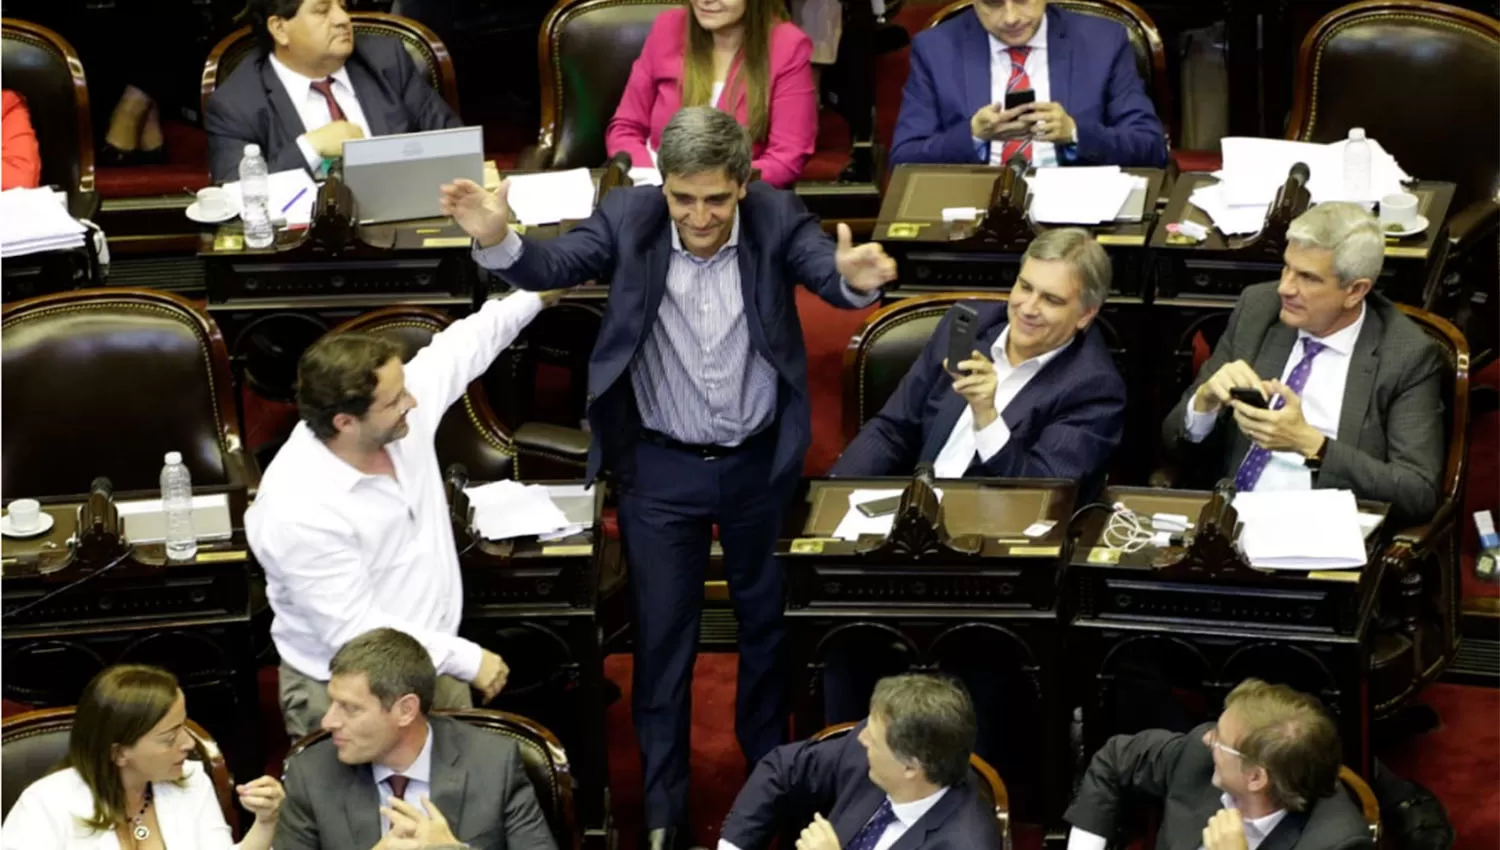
(49,815)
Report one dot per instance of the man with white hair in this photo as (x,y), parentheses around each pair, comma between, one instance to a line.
(1350,385)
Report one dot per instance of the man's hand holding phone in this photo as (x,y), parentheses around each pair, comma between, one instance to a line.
(1216,392)
(994,121)
(976,382)
(1049,122)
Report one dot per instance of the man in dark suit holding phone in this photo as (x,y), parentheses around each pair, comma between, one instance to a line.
(1024,389)
(698,405)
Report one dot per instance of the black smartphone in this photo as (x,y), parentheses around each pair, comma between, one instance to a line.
(1020,97)
(880,507)
(1250,396)
(961,330)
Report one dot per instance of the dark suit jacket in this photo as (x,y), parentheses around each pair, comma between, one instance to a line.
(1178,770)
(628,240)
(253,106)
(1391,443)
(477,783)
(833,778)
(1090,71)
(1065,423)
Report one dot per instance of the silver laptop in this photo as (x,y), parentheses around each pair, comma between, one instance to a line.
(396,178)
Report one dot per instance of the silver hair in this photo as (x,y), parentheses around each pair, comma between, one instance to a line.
(1349,231)
(1078,248)
(702,138)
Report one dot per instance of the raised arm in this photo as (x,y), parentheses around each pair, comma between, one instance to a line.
(586,252)
(440,372)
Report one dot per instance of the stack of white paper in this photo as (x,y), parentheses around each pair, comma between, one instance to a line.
(1301,529)
(855,523)
(1230,219)
(37,220)
(1084,195)
(292,196)
(552,196)
(508,509)
(647,176)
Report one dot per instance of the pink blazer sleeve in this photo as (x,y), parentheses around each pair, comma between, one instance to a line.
(630,128)
(793,117)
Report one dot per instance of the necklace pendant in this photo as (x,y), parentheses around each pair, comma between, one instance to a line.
(142,832)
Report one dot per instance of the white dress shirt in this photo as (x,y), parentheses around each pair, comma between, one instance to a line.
(48,814)
(1256,829)
(312,107)
(907,815)
(345,552)
(1322,404)
(1043,154)
(964,442)
(419,781)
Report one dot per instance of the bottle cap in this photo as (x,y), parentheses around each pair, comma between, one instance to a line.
(253,149)
(1356,132)
(174,458)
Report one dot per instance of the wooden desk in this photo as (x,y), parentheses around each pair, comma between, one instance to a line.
(1126,615)
(1214,269)
(192,618)
(547,609)
(988,618)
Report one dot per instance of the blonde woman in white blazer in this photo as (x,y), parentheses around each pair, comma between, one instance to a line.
(127,782)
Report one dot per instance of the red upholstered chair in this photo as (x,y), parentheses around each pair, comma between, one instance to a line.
(45,69)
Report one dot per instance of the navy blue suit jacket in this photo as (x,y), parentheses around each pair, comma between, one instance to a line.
(628,240)
(1065,423)
(252,106)
(1090,70)
(833,778)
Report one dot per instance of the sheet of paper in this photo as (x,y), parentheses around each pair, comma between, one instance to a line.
(855,523)
(509,509)
(292,196)
(552,196)
(1082,195)
(1254,169)
(1301,529)
(1230,219)
(647,176)
(33,220)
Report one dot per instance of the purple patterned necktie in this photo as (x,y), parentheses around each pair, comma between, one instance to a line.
(874,828)
(1257,458)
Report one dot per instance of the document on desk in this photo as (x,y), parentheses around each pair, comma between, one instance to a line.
(855,523)
(1301,530)
(293,194)
(509,509)
(1081,195)
(37,220)
(552,196)
(1255,169)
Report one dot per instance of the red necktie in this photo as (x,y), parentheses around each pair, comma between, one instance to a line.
(335,112)
(1018,82)
(398,785)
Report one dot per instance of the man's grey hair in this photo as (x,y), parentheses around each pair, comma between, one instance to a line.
(702,138)
(1349,231)
(1078,248)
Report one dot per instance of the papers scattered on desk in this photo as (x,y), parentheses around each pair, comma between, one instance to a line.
(1255,169)
(1301,530)
(37,220)
(1083,195)
(509,509)
(292,196)
(855,523)
(552,196)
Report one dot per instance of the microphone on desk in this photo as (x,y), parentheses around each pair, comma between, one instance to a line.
(925,474)
(1293,197)
(616,174)
(1010,186)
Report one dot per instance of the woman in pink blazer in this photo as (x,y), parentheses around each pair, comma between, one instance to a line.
(741,55)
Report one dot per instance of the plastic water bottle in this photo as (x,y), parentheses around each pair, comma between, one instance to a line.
(1357,166)
(255,199)
(177,500)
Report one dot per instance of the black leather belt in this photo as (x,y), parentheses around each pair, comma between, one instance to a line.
(708,451)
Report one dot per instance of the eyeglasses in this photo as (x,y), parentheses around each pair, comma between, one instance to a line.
(1213,741)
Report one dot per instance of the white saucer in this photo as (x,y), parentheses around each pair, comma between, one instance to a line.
(196,215)
(47,521)
(1417,226)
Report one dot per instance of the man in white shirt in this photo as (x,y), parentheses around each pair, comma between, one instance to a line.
(904,770)
(1047,401)
(351,523)
(1264,777)
(1350,385)
(311,85)
(391,776)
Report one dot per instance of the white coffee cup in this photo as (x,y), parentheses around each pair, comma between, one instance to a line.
(1398,211)
(25,515)
(213,202)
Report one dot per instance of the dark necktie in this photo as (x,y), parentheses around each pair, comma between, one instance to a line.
(874,828)
(1256,459)
(1018,82)
(325,88)
(398,785)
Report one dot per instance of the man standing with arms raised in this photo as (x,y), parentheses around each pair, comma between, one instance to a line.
(699,407)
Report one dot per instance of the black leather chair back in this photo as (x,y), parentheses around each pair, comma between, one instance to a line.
(1422,78)
(469,432)
(588,48)
(40,65)
(105,382)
